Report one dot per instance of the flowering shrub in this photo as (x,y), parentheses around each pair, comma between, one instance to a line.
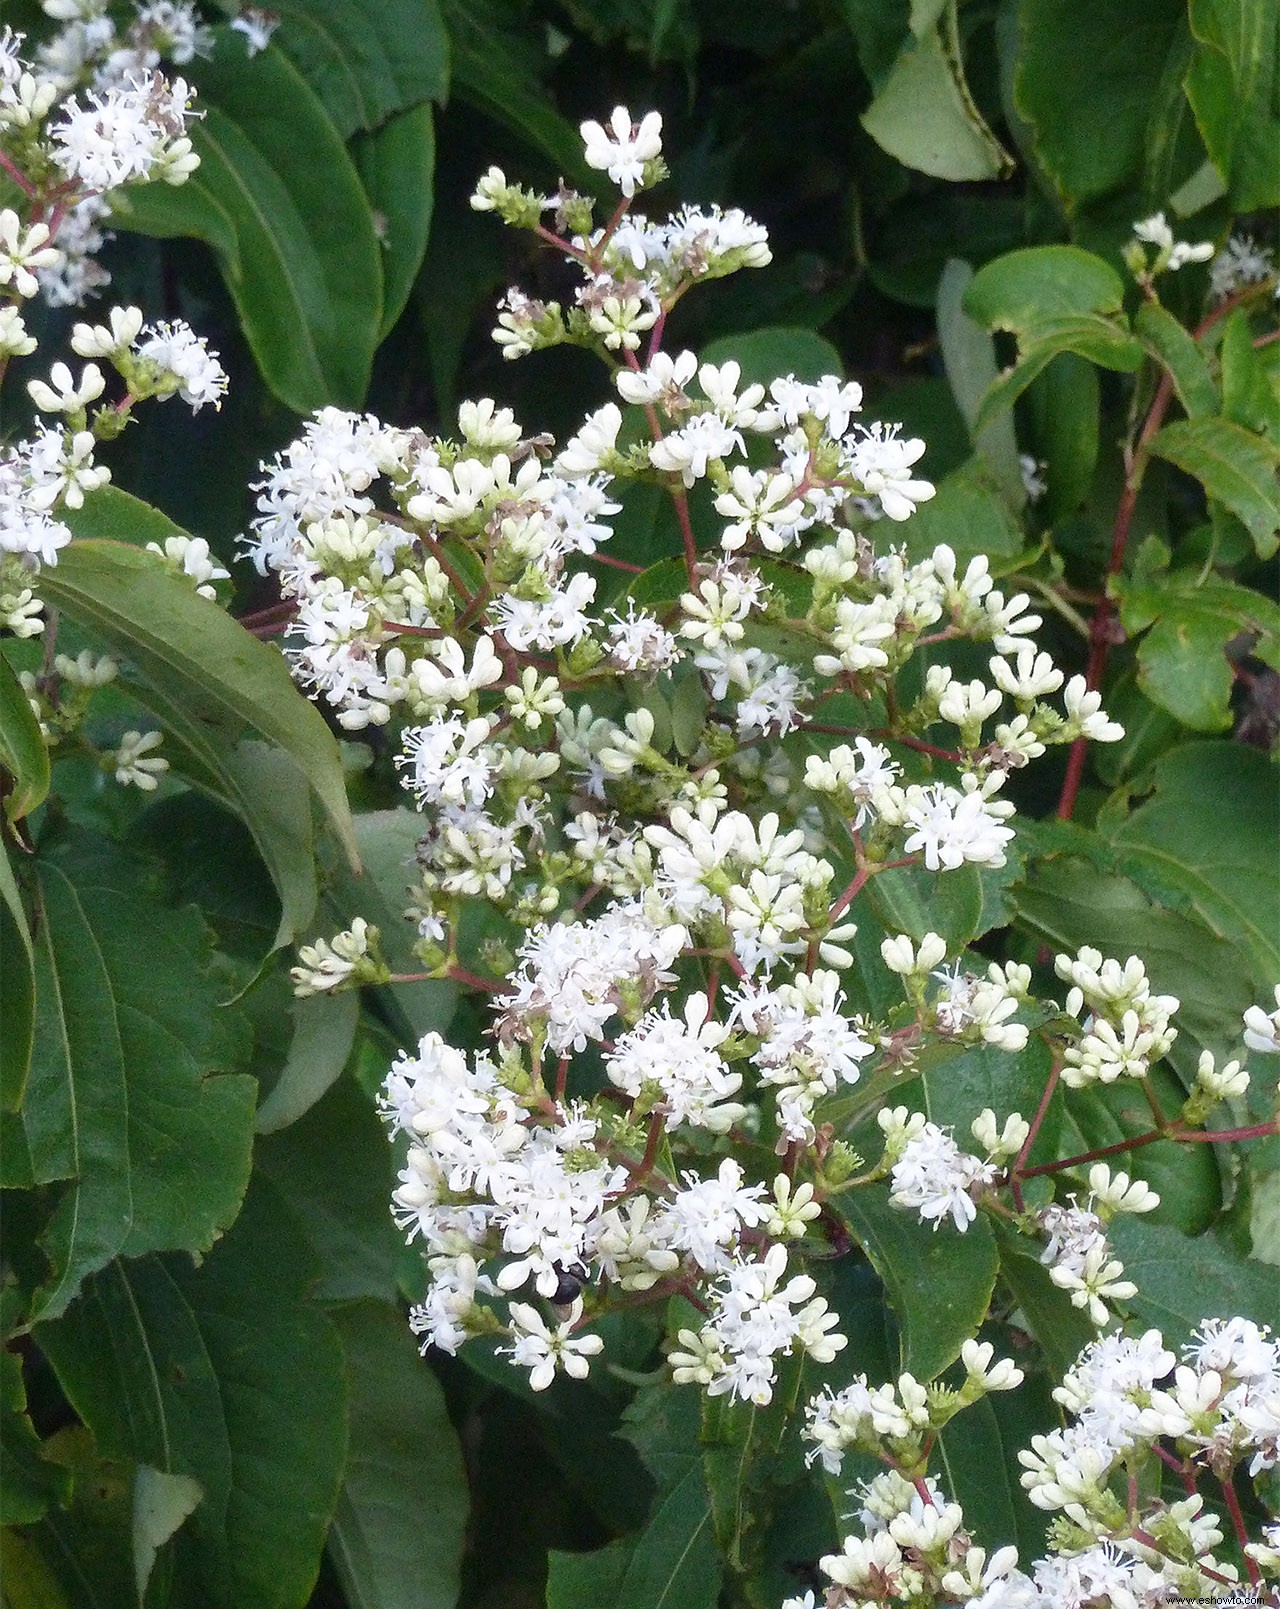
(879,1160)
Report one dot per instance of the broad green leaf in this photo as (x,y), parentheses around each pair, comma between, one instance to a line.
(17,968)
(960,906)
(741,1442)
(129,1101)
(1067,902)
(1063,1331)
(1178,353)
(1216,869)
(977,1467)
(1103,341)
(29,1583)
(767,353)
(1086,80)
(324,1030)
(1183,1280)
(1182,661)
(1025,290)
(939,1282)
(117,516)
(278,199)
(161,1503)
(86,1543)
(954,1091)
(204,1372)
(1232,87)
(497,74)
(397,166)
(24,759)
(924,115)
(672,1564)
(969,355)
(29,1484)
(353,1239)
(1235,467)
(213,684)
(1250,388)
(971,512)
(1064,403)
(365,62)
(397,1535)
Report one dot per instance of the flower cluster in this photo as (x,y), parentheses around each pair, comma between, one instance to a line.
(671,791)
(1133,1407)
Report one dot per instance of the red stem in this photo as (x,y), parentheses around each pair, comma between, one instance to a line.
(1237,1523)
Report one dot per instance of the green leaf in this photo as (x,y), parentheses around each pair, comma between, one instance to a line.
(1067,902)
(1250,389)
(978,1468)
(1064,403)
(1103,341)
(122,1101)
(1183,1280)
(397,165)
(17,968)
(496,74)
(86,1544)
(324,1030)
(278,199)
(24,759)
(1216,870)
(969,355)
(1232,87)
(119,517)
(203,1372)
(970,512)
(672,1564)
(366,63)
(29,1583)
(1182,661)
(29,1484)
(1235,467)
(1086,82)
(939,1282)
(397,1535)
(960,906)
(924,115)
(1178,353)
(765,354)
(353,1239)
(213,684)
(1028,289)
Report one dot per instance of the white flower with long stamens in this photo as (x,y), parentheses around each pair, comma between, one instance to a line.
(622,148)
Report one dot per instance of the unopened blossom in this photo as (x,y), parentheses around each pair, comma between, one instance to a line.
(135,763)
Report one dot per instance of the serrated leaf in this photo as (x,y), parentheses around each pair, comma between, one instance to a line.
(1235,467)
(397,166)
(278,199)
(121,1103)
(212,684)
(924,115)
(24,759)
(1231,86)
(1177,352)
(1182,661)
(398,1532)
(17,967)
(939,1282)
(186,1369)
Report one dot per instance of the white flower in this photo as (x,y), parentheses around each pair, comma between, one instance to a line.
(621,149)
(542,1350)
(1262,1028)
(133,762)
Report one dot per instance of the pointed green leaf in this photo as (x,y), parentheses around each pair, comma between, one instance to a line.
(1177,352)
(1106,342)
(213,684)
(398,1533)
(939,1282)
(278,199)
(397,166)
(17,968)
(969,354)
(1235,467)
(121,1108)
(1232,87)
(324,1029)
